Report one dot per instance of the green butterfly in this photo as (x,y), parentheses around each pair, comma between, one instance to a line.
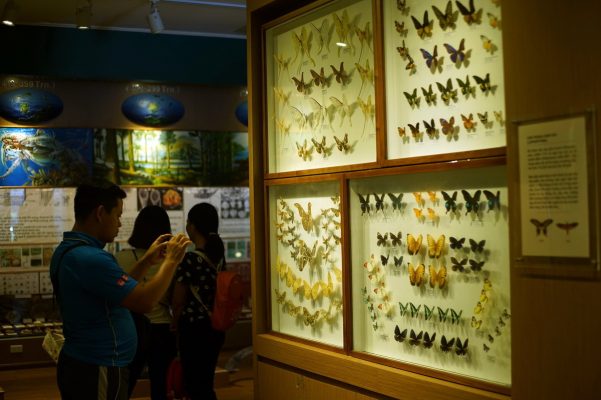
(428,312)
(414,310)
(442,314)
(456,318)
(403,308)
(413,99)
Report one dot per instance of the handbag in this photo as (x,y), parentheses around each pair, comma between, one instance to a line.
(175,381)
(53,343)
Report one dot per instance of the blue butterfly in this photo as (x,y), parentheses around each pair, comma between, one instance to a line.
(450,201)
(431,59)
(494,201)
(472,203)
(456,54)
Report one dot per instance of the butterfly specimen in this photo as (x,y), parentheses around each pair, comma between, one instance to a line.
(431,58)
(340,74)
(398,335)
(447,93)
(414,245)
(478,309)
(416,275)
(456,316)
(541,227)
(477,247)
(319,78)
(280,95)
(299,117)
(457,55)
(367,108)
(415,131)
(438,278)
(499,116)
(493,200)
(430,128)
(342,144)
(302,44)
(400,28)
(280,296)
(483,118)
(419,213)
(432,216)
(320,147)
(379,202)
(466,88)
(455,243)
(487,285)
(403,51)
(461,348)
(366,74)
(442,314)
(365,206)
(472,203)
(402,6)
(306,217)
(318,114)
(567,226)
(468,122)
(398,261)
(483,83)
(450,201)
(446,19)
(282,127)
(428,312)
(303,151)
(384,259)
(403,308)
(470,16)
(343,108)
(423,28)
(476,266)
(458,265)
(415,338)
(419,199)
(493,20)
(447,127)
(410,65)
(343,27)
(487,44)
(485,347)
(311,319)
(396,201)
(324,35)
(414,310)
(412,98)
(282,63)
(382,239)
(476,323)
(301,86)
(446,345)
(429,340)
(435,246)
(364,36)
(429,95)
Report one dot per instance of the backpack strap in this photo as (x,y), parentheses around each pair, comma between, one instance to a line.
(195,291)
(54,278)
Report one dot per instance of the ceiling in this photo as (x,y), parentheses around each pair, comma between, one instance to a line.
(222,18)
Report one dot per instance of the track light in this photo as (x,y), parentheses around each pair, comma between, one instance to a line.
(83,14)
(154,18)
(9,13)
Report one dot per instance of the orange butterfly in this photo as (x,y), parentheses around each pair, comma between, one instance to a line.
(416,275)
(401,131)
(418,213)
(414,245)
(439,277)
(418,198)
(432,216)
(432,196)
(448,127)
(468,122)
(435,246)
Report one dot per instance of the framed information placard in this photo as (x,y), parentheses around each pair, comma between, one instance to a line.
(558,195)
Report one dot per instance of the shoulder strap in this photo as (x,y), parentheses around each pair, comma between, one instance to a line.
(54,278)
(202,255)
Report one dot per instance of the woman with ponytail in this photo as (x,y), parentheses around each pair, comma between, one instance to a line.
(193,298)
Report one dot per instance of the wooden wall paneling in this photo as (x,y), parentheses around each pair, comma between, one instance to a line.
(550,69)
(277,383)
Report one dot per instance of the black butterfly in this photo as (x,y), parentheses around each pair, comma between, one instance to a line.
(445,345)
(398,261)
(398,335)
(494,201)
(415,339)
(447,93)
(429,340)
(450,201)
(365,206)
(423,28)
(384,259)
(430,128)
(461,348)
(541,227)
(477,247)
(429,95)
(483,83)
(472,203)
(470,16)
(396,239)
(456,243)
(466,87)
(458,265)
(382,239)
(379,202)
(396,200)
(446,20)
(476,266)
(485,347)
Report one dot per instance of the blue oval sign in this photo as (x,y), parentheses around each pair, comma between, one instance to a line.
(154,110)
(29,106)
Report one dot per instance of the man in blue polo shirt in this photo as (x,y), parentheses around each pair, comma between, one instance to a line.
(95,295)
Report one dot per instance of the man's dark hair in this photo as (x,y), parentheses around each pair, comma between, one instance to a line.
(151,222)
(88,198)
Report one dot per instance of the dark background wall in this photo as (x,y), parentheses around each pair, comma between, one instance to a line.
(114,55)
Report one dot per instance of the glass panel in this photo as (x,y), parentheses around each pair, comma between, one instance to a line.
(306,261)
(430,262)
(320,89)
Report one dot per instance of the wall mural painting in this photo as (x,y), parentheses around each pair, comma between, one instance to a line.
(45,157)
(158,157)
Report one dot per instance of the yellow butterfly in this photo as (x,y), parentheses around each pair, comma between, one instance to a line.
(416,275)
(280,296)
(418,213)
(327,288)
(282,127)
(366,74)
(337,273)
(418,198)
(298,283)
(433,198)
(487,284)
(283,63)
(432,216)
(439,277)
(316,290)
(483,297)
(435,247)
(476,323)
(290,277)
(367,108)
(282,269)
(478,309)
(311,319)
(281,96)
(487,44)
(303,151)
(414,245)
(320,147)
(302,43)
(307,290)
(493,20)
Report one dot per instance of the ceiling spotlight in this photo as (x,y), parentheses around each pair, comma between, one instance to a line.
(9,13)
(83,14)
(154,18)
